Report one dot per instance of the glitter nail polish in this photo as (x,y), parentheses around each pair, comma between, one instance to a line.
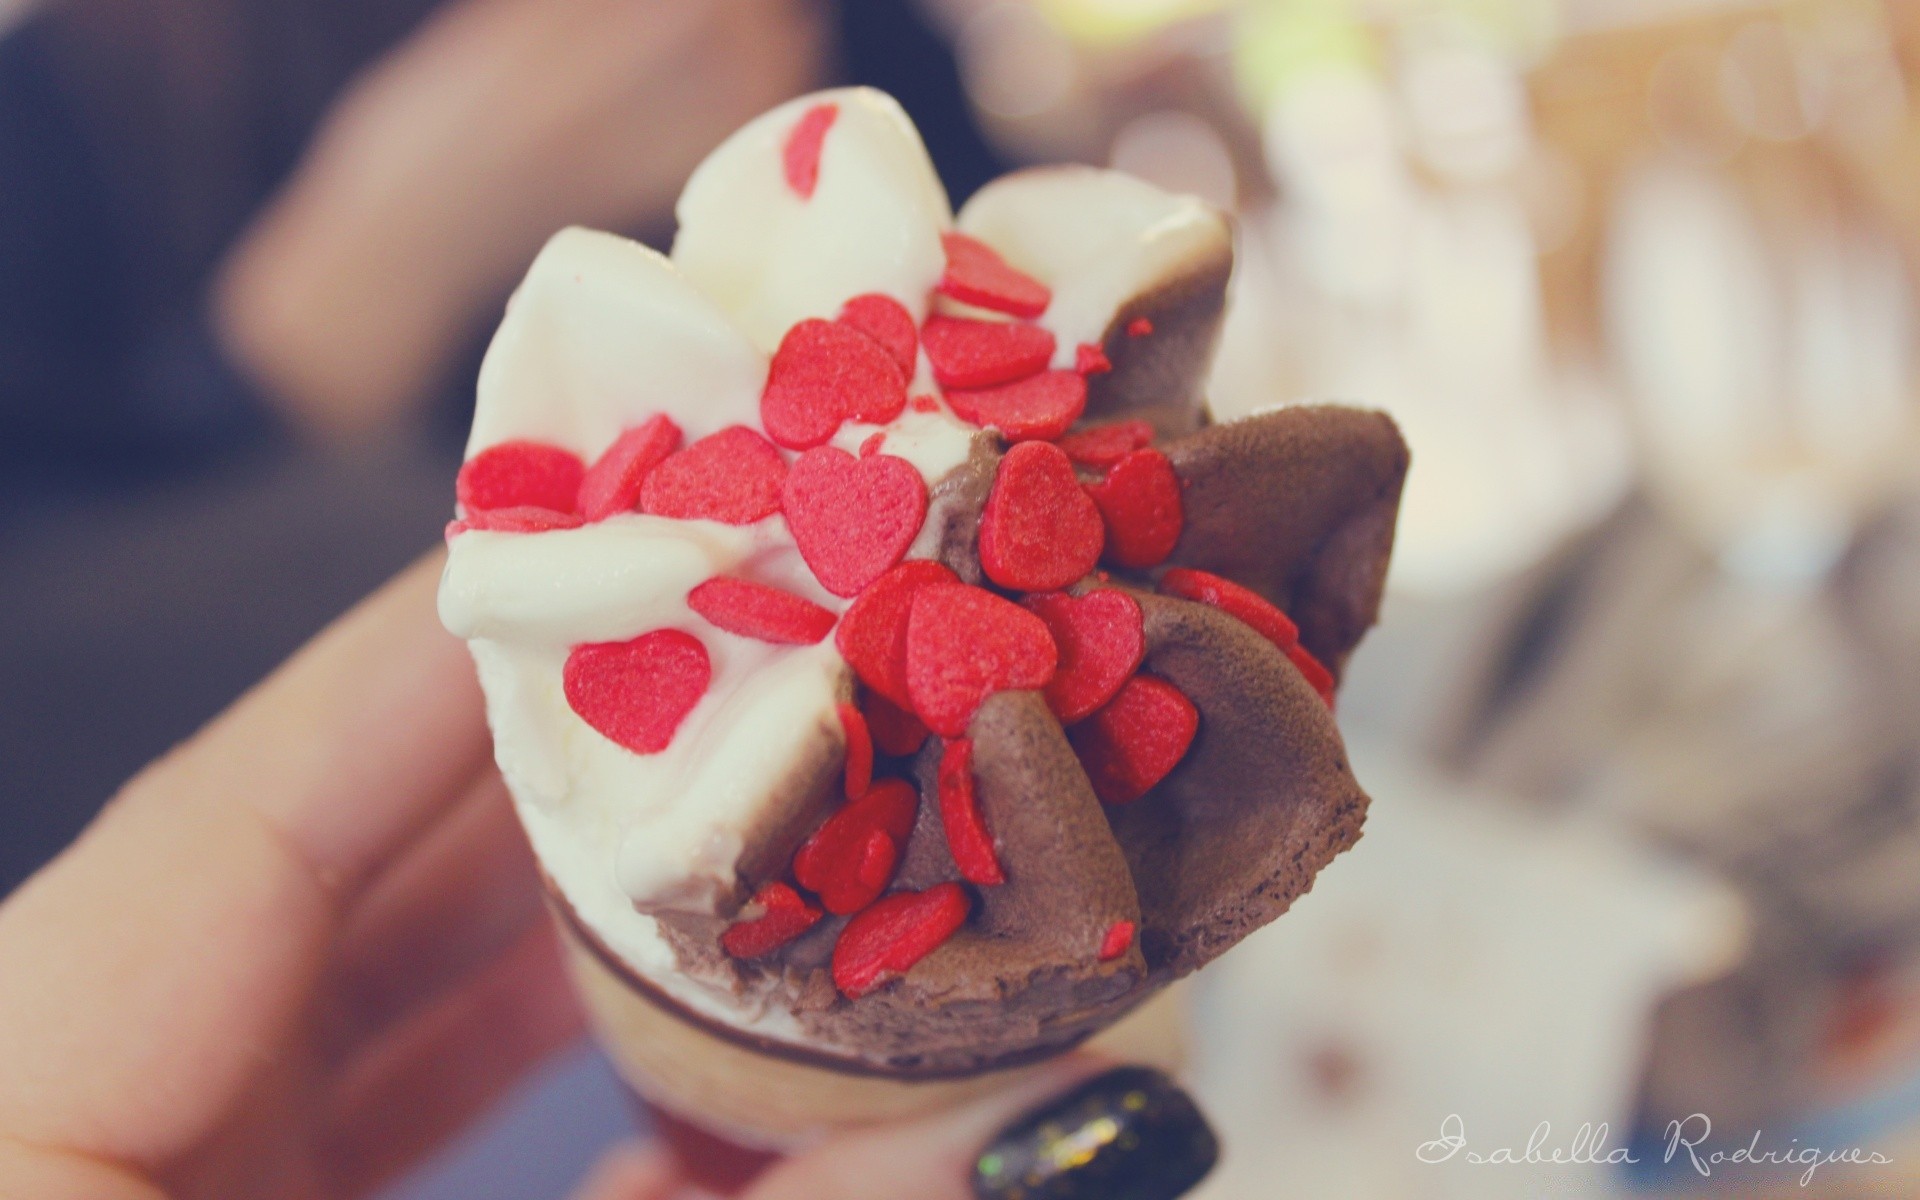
(1130,1134)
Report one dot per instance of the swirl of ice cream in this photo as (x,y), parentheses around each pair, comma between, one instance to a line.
(696,486)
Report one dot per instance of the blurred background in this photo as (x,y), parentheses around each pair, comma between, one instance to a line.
(1642,722)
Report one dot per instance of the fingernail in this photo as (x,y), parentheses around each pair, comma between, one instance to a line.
(1130,1134)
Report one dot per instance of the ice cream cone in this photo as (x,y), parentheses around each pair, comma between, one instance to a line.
(789,728)
(775,1098)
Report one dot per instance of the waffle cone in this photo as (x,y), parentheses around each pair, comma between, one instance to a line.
(767,1101)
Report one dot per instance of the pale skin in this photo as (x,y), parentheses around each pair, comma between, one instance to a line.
(304,949)
(438,174)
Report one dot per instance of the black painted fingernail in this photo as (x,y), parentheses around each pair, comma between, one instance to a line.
(1130,1134)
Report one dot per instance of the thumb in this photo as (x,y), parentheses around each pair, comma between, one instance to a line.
(1082,1128)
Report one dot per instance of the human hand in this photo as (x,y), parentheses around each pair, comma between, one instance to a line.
(1073,1131)
(439,173)
(291,956)
(305,948)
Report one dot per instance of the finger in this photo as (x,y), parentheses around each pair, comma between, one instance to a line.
(179,938)
(444,1067)
(466,892)
(936,1153)
(48,1174)
(357,743)
(1080,1128)
(752,57)
(634,1171)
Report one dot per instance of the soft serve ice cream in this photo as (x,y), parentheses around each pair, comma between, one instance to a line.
(893,669)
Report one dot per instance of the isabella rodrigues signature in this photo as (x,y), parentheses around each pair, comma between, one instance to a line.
(1684,1141)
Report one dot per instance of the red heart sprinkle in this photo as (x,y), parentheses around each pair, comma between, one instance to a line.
(1104,445)
(732,476)
(636,693)
(872,636)
(891,805)
(1101,637)
(517,520)
(852,517)
(888,322)
(612,485)
(1139,327)
(977,275)
(1039,531)
(785,917)
(925,404)
(847,869)
(1118,937)
(824,374)
(871,446)
(519,474)
(1089,359)
(1317,674)
(1236,601)
(896,731)
(882,943)
(1140,502)
(977,354)
(867,873)
(964,644)
(859,751)
(1130,745)
(1038,408)
(755,610)
(800,157)
(967,836)
(849,860)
